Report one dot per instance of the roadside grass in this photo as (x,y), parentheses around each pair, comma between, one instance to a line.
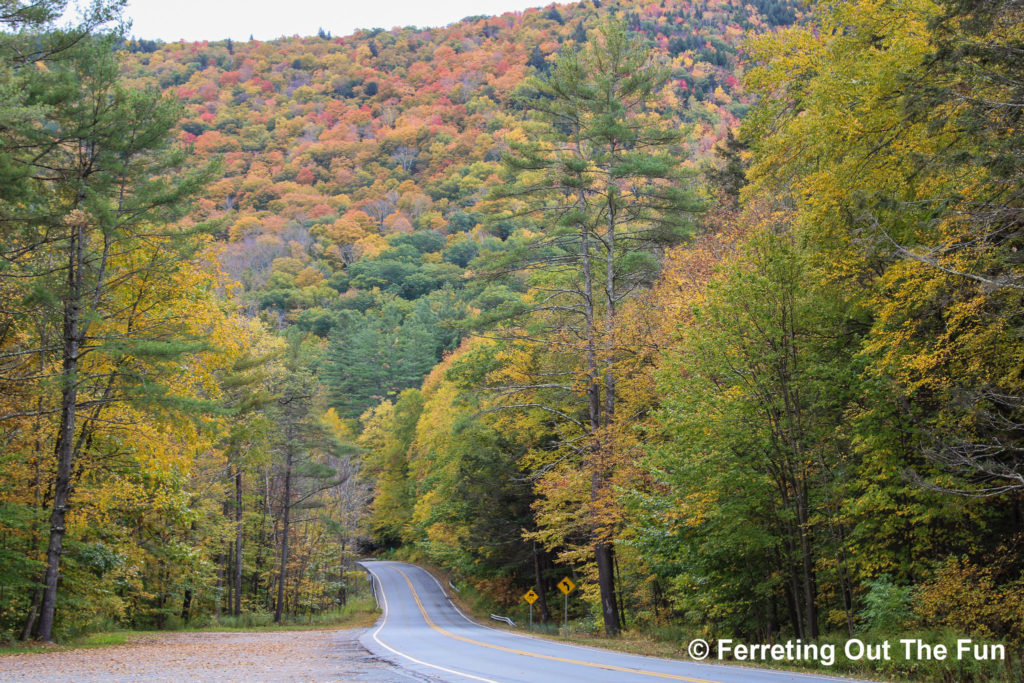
(360,612)
(92,640)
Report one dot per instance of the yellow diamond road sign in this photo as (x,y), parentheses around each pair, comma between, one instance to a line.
(566,585)
(531,596)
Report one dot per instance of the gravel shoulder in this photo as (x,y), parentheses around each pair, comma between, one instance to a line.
(307,655)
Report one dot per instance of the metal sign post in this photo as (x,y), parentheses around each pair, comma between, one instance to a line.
(531,597)
(566,586)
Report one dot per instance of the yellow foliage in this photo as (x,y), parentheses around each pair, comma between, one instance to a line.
(243,227)
(967,599)
(371,245)
(309,277)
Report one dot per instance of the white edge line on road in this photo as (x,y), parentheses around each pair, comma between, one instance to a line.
(384,621)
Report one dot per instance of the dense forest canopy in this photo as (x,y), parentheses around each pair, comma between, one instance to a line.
(715,306)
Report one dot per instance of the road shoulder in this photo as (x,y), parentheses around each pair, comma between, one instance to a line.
(307,655)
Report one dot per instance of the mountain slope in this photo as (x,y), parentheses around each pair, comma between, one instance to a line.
(340,152)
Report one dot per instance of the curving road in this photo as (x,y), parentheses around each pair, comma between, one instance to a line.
(422,631)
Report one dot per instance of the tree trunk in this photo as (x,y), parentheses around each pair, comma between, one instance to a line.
(538,578)
(810,588)
(618,592)
(593,386)
(65,450)
(609,318)
(602,550)
(792,603)
(229,570)
(261,544)
(186,606)
(285,519)
(238,542)
(161,601)
(220,586)
(228,559)
(33,614)
(610,607)
(606,582)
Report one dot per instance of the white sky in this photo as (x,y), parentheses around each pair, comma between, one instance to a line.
(170,20)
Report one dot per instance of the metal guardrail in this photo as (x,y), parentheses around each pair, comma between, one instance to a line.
(498,617)
(373,583)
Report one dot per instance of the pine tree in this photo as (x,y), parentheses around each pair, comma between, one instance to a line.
(89,239)
(356,367)
(415,354)
(304,446)
(604,179)
(537,60)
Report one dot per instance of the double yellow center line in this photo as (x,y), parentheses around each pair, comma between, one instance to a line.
(578,662)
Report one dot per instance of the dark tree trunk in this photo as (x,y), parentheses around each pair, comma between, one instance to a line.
(618,591)
(220,586)
(285,524)
(792,603)
(605,580)
(229,570)
(602,550)
(238,542)
(809,587)
(65,450)
(186,601)
(161,600)
(538,578)
(33,614)
(186,606)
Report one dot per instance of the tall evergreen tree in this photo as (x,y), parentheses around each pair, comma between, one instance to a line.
(304,446)
(604,180)
(415,353)
(87,244)
(356,367)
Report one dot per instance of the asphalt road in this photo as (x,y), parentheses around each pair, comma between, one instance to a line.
(422,631)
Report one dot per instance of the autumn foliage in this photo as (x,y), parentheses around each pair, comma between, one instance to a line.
(727,326)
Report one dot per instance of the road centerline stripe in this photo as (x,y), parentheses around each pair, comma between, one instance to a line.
(537,655)
(384,621)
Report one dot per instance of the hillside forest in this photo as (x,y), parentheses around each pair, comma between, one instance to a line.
(714,306)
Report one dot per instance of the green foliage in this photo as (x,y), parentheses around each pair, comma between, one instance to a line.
(133,409)
(763,431)
(373,356)
(461,253)
(754,448)
(468,486)
(424,242)
(387,432)
(887,606)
